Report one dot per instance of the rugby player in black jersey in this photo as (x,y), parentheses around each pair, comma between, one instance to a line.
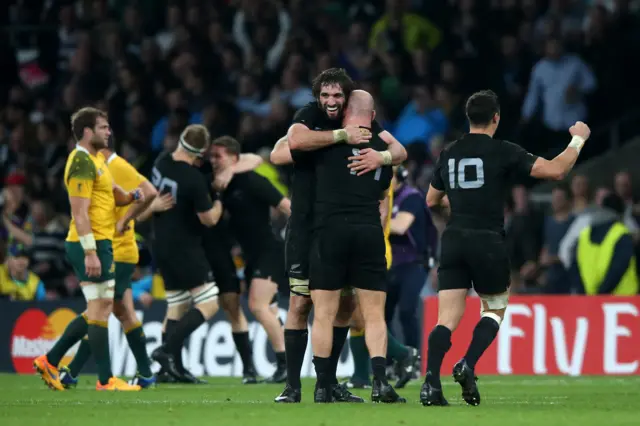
(300,225)
(248,199)
(178,246)
(471,178)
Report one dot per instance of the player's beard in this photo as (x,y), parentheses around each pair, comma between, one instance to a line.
(336,114)
(98,143)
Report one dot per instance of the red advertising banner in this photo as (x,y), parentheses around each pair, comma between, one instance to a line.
(552,335)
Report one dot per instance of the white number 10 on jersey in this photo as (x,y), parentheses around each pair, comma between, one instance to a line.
(459,176)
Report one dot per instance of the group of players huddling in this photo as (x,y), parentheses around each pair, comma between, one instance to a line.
(336,252)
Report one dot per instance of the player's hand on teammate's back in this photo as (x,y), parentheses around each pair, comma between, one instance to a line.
(368,160)
(162,203)
(580,129)
(357,135)
(92,265)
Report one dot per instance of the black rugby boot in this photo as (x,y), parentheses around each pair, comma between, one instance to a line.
(464,375)
(384,392)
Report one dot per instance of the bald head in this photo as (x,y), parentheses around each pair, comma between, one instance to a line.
(360,109)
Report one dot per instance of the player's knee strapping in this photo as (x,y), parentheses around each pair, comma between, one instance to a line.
(299,287)
(208,293)
(177,298)
(492,303)
(95,291)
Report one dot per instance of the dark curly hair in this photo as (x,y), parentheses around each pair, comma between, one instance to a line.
(332,76)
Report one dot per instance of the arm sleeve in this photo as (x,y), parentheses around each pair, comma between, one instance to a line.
(301,156)
(200,193)
(264,190)
(622,255)
(82,174)
(517,158)
(436,180)
(306,115)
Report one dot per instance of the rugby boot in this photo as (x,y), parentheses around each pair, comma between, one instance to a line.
(117,384)
(289,395)
(357,383)
(384,392)
(164,377)
(406,368)
(48,372)
(187,377)
(144,382)
(342,394)
(323,395)
(464,375)
(249,377)
(279,376)
(431,396)
(67,380)
(167,361)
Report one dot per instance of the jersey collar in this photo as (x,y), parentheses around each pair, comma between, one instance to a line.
(111,158)
(80,148)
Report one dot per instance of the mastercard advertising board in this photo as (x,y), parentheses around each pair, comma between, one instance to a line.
(34,333)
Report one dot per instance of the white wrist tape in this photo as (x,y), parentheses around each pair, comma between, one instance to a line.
(340,135)
(386,158)
(88,242)
(576,143)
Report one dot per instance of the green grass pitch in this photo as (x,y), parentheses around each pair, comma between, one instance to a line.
(506,401)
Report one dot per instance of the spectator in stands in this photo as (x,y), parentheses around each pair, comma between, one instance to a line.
(593,214)
(419,122)
(555,275)
(559,83)
(45,243)
(398,30)
(580,193)
(605,262)
(523,230)
(16,281)
(623,188)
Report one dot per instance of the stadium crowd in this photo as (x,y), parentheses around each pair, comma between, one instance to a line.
(242,67)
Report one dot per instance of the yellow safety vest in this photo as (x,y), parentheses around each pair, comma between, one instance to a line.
(594,260)
(18,290)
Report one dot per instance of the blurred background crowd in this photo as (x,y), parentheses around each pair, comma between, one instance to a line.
(242,67)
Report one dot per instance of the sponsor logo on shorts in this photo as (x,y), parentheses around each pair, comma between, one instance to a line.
(35,333)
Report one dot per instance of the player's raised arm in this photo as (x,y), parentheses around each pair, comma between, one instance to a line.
(281,154)
(562,164)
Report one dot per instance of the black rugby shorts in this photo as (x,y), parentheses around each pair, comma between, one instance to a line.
(347,254)
(473,259)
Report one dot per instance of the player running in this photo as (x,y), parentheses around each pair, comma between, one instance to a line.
(471,176)
(125,256)
(178,246)
(93,197)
